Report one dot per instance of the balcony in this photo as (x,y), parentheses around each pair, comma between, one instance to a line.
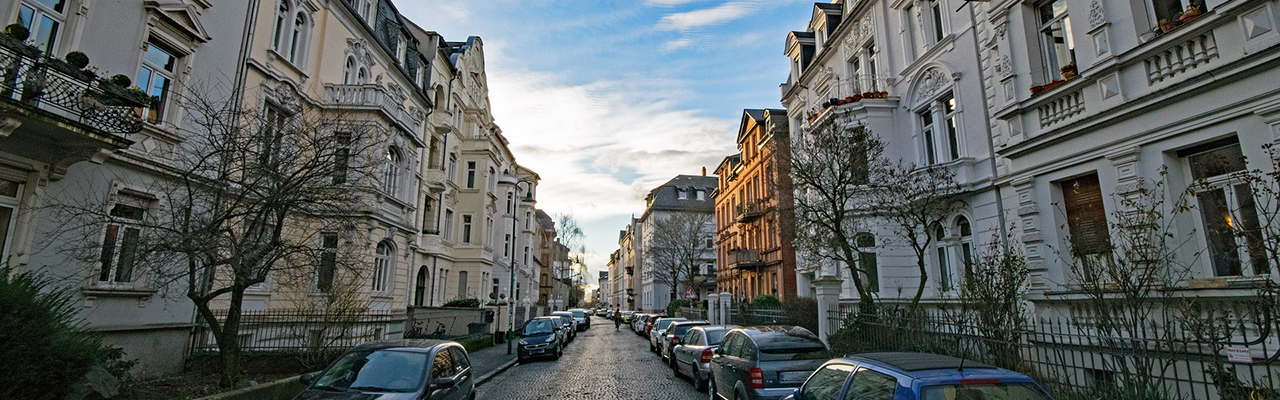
(853,99)
(431,242)
(50,108)
(745,259)
(435,179)
(441,121)
(375,98)
(631,270)
(751,211)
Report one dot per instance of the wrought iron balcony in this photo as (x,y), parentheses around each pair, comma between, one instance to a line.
(750,211)
(745,258)
(46,93)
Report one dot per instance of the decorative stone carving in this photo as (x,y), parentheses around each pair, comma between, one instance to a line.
(931,82)
(862,32)
(287,97)
(1097,17)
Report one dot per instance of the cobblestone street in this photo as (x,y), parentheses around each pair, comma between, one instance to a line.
(600,364)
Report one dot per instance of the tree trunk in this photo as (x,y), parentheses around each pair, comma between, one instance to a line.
(229,342)
(924,278)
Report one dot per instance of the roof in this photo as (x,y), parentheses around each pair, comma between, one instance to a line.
(908,361)
(666,197)
(419,345)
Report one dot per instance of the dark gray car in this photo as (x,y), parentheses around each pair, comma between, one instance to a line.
(764,362)
(692,354)
(395,370)
(674,333)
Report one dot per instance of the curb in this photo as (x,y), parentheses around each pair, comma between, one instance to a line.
(486,377)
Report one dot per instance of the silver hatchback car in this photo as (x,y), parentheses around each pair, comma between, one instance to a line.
(692,355)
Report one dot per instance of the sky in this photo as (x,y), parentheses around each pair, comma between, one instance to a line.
(606,100)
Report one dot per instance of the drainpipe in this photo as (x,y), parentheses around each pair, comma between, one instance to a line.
(434,262)
(250,22)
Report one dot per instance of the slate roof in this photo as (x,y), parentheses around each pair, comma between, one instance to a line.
(666,197)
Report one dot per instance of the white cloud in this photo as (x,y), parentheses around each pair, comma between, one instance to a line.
(667,3)
(690,20)
(678,44)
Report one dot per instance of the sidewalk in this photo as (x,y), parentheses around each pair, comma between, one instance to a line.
(487,363)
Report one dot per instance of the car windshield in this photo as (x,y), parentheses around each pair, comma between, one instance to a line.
(997,391)
(565,319)
(681,329)
(538,327)
(579,313)
(808,352)
(375,371)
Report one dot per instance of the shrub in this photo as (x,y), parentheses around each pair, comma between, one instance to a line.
(41,332)
(77,59)
(674,307)
(766,301)
(803,311)
(17,31)
(121,80)
(468,303)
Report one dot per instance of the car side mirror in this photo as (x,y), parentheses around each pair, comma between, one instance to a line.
(718,351)
(443,383)
(306,379)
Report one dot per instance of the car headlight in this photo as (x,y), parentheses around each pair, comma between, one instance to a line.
(522,342)
(551,338)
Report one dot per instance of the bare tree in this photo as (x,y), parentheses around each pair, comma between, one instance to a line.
(678,248)
(915,202)
(831,172)
(247,195)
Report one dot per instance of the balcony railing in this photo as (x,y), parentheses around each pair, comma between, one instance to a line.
(30,78)
(374,97)
(745,258)
(751,211)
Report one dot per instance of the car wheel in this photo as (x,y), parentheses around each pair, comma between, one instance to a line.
(711,389)
(674,366)
(558,353)
(519,360)
(698,383)
(739,396)
(675,371)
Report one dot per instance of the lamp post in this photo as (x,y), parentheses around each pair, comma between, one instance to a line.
(511,283)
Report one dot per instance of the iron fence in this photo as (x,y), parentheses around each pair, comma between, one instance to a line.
(278,331)
(1076,359)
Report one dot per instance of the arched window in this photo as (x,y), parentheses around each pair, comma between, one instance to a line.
(289,38)
(420,286)
(391,172)
(966,244)
(945,281)
(362,77)
(349,71)
(296,40)
(383,264)
(282,19)
(439,96)
(867,262)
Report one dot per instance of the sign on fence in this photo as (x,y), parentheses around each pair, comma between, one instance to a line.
(1239,354)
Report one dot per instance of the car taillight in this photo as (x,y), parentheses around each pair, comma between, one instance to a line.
(673,340)
(757,378)
(979,381)
(706,356)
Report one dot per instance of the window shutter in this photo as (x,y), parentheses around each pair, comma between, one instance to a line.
(1086,217)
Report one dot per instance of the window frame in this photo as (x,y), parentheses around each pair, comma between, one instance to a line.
(383,265)
(38,10)
(291,35)
(109,267)
(1052,66)
(941,131)
(159,104)
(1229,184)
(9,224)
(468,228)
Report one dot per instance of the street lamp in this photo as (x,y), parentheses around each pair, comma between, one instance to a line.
(511,284)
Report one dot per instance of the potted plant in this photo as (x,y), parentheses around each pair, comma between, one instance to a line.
(849,99)
(1036,89)
(1167,26)
(856,97)
(77,59)
(1191,13)
(1069,71)
(868,95)
(15,37)
(826,104)
(882,94)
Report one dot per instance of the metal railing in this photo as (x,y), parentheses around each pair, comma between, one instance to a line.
(33,79)
(284,331)
(1074,360)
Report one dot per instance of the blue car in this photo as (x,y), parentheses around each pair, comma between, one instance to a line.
(915,376)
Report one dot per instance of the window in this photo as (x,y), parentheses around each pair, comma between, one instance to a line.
(867,263)
(443,365)
(121,240)
(420,288)
(328,262)
(448,225)
(506,246)
(402,49)
(528,219)
(349,71)
(366,11)
(271,140)
(289,38)
(488,229)
(871,385)
(510,203)
(462,284)
(43,18)
(383,264)
(526,255)
(341,157)
(10,192)
(471,174)
(916,33)
(495,287)
(391,172)
(1169,9)
(939,128)
(1087,225)
(1228,213)
(453,167)
(935,14)
(492,180)
(966,244)
(444,284)
(683,193)
(825,384)
(1055,34)
(944,260)
(466,229)
(159,67)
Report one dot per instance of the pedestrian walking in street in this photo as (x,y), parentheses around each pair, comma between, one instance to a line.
(617,321)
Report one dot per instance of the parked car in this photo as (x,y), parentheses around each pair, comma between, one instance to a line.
(395,370)
(637,323)
(674,332)
(626,316)
(540,337)
(570,326)
(692,354)
(915,376)
(648,325)
(764,362)
(658,331)
(580,316)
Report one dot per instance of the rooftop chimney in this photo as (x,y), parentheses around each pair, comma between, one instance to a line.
(704,170)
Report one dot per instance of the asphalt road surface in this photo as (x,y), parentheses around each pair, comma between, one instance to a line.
(600,364)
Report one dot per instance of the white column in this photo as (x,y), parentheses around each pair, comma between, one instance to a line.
(828,290)
(712,301)
(724,307)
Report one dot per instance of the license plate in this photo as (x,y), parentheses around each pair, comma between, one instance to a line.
(793,376)
(535,351)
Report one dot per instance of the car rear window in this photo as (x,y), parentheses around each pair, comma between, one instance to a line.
(794,353)
(578,313)
(995,391)
(663,323)
(683,328)
(715,337)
